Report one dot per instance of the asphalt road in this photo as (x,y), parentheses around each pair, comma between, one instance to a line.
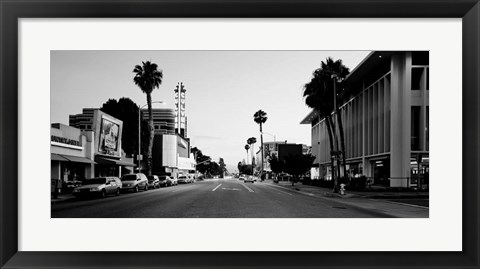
(222,198)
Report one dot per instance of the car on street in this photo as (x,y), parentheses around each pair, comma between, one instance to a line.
(99,186)
(153,182)
(183,180)
(134,182)
(165,181)
(250,179)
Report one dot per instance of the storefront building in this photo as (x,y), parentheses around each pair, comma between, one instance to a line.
(385,117)
(71,152)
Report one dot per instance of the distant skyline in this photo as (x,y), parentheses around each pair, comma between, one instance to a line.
(224,90)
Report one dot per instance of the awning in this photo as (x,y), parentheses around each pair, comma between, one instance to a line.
(69,158)
(102,160)
(78,159)
(58,157)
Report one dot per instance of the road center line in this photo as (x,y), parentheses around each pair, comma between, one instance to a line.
(217,187)
(248,188)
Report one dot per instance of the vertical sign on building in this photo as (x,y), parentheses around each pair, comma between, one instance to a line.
(180,116)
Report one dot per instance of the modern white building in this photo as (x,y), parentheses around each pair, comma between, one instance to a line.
(385,114)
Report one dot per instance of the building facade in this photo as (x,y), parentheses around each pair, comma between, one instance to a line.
(385,114)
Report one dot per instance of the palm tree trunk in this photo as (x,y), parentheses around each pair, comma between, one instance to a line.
(330,136)
(150,140)
(261,142)
(342,142)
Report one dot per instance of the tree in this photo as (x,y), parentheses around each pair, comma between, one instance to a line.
(338,73)
(260,117)
(247,147)
(319,93)
(275,164)
(297,165)
(222,167)
(252,141)
(127,111)
(147,78)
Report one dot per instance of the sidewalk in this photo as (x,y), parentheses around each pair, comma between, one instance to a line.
(362,200)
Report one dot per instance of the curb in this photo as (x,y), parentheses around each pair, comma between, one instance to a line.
(59,201)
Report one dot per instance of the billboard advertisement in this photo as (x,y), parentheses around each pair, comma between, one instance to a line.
(108,134)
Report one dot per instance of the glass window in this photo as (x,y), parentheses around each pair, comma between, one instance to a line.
(420,58)
(415,128)
(417,73)
(427,127)
(428,78)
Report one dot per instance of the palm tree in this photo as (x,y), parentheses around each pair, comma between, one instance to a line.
(338,72)
(247,147)
(252,141)
(260,117)
(319,93)
(147,78)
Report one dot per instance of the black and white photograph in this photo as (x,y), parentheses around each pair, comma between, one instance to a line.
(239,134)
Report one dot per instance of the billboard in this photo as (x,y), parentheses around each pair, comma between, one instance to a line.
(108,135)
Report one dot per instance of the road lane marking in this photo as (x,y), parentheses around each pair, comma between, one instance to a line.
(248,188)
(217,187)
(230,189)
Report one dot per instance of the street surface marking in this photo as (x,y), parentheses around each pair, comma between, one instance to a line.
(230,189)
(248,188)
(217,187)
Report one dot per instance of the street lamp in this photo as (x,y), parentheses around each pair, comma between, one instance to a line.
(139,156)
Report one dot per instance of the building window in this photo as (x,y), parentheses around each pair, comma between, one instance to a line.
(156,127)
(417,73)
(415,128)
(420,58)
(427,128)
(428,78)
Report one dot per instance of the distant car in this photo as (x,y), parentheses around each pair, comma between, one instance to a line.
(153,182)
(165,181)
(242,177)
(99,186)
(183,179)
(134,182)
(250,179)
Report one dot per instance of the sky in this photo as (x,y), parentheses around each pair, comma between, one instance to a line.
(224,90)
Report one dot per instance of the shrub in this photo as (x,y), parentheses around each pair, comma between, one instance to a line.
(358,183)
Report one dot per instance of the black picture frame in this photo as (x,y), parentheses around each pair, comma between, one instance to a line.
(11,11)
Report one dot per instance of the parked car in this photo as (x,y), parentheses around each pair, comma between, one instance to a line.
(153,182)
(250,179)
(165,181)
(99,186)
(183,179)
(135,182)
(242,177)
(174,181)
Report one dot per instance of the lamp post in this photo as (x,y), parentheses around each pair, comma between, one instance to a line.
(139,156)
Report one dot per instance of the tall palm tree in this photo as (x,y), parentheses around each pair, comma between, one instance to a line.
(260,117)
(247,147)
(147,78)
(319,93)
(338,72)
(252,141)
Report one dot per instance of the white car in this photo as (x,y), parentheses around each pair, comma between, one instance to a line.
(250,179)
(99,186)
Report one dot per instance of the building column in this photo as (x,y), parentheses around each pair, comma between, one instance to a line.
(400,119)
